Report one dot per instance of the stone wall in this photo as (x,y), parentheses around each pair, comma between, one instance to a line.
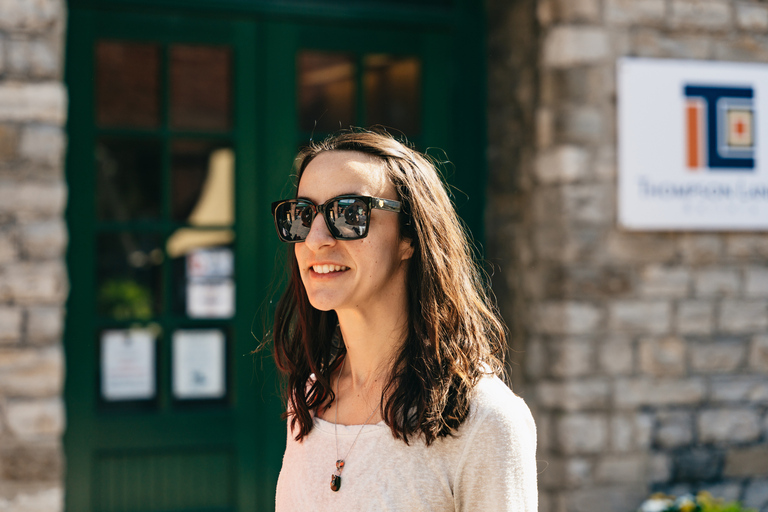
(33,284)
(644,355)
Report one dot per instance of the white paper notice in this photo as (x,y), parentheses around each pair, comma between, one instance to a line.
(127,364)
(198,364)
(211,298)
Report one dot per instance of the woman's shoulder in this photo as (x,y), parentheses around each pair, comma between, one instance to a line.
(493,403)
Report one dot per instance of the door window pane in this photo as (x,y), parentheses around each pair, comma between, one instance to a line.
(201,84)
(393,92)
(129,275)
(327,91)
(203,272)
(129,179)
(127,84)
(203,182)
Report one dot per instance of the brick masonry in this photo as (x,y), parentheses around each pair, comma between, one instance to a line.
(643,355)
(33,239)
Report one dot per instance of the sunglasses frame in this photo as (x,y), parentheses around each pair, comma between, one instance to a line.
(372,203)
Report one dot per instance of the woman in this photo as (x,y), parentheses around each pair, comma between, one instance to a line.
(389,342)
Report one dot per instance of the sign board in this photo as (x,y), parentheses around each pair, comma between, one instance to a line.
(210,287)
(693,145)
(198,364)
(127,364)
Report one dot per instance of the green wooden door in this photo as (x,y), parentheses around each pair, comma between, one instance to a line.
(182,130)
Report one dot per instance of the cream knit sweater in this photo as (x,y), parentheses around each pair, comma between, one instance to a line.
(489,465)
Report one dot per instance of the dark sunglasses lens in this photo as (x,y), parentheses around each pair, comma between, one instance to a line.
(349,218)
(293,219)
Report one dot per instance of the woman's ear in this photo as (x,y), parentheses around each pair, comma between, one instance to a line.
(406,249)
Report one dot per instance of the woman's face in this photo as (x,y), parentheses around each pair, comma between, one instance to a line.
(364,274)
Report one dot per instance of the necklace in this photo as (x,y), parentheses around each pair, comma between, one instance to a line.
(336,475)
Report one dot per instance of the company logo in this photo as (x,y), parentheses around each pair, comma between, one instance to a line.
(720,123)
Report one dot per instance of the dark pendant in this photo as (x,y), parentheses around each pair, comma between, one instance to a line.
(335,483)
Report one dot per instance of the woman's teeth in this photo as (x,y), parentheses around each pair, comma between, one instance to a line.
(325,269)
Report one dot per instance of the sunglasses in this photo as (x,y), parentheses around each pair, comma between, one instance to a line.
(347,217)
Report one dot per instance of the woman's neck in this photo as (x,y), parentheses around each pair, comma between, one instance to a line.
(372,342)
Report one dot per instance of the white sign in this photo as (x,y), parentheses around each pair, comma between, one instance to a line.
(211,298)
(210,263)
(198,364)
(127,364)
(693,145)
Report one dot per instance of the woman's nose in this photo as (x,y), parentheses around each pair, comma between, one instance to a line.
(319,235)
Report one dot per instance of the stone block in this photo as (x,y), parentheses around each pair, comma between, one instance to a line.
(707,14)
(568,318)
(727,491)
(621,469)
(543,432)
(580,125)
(36,283)
(43,144)
(582,433)
(545,128)
(743,316)
(44,240)
(589,203)
(758,354)
(697,464)
(675,429)
(536,359)
(36,463)
(29,15)
(659,468)
(630,431)
(664,282)
(752,16)
(635,392)
(571,357)
(578,10)
(728,425)
(695,317)
(717,282)
(32,200)
(37,58)
(607,498)
(605,163)
(634,12)
(31,373)
(662,356)
(48,498)
(756,282)
(750,47)
(9,138)
(32,419)
(33,102)
(590,282)
(10,324)
(573,395)
(639,316)
(616,356)
(9,251)
(747,247)
(566,472)
(717,357)
(739,388)
(658,44)
(575,45)
(701,249)
(625,247)
(756,494)
(749,462)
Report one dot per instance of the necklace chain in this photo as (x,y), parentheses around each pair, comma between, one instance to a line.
(336,476)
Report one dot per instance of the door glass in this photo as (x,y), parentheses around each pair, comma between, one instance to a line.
(127,84)
(393,92)
(327,91)
(129,179)
(200,87)
(129,275)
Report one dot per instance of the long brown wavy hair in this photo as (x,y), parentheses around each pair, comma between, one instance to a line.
(454,332)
